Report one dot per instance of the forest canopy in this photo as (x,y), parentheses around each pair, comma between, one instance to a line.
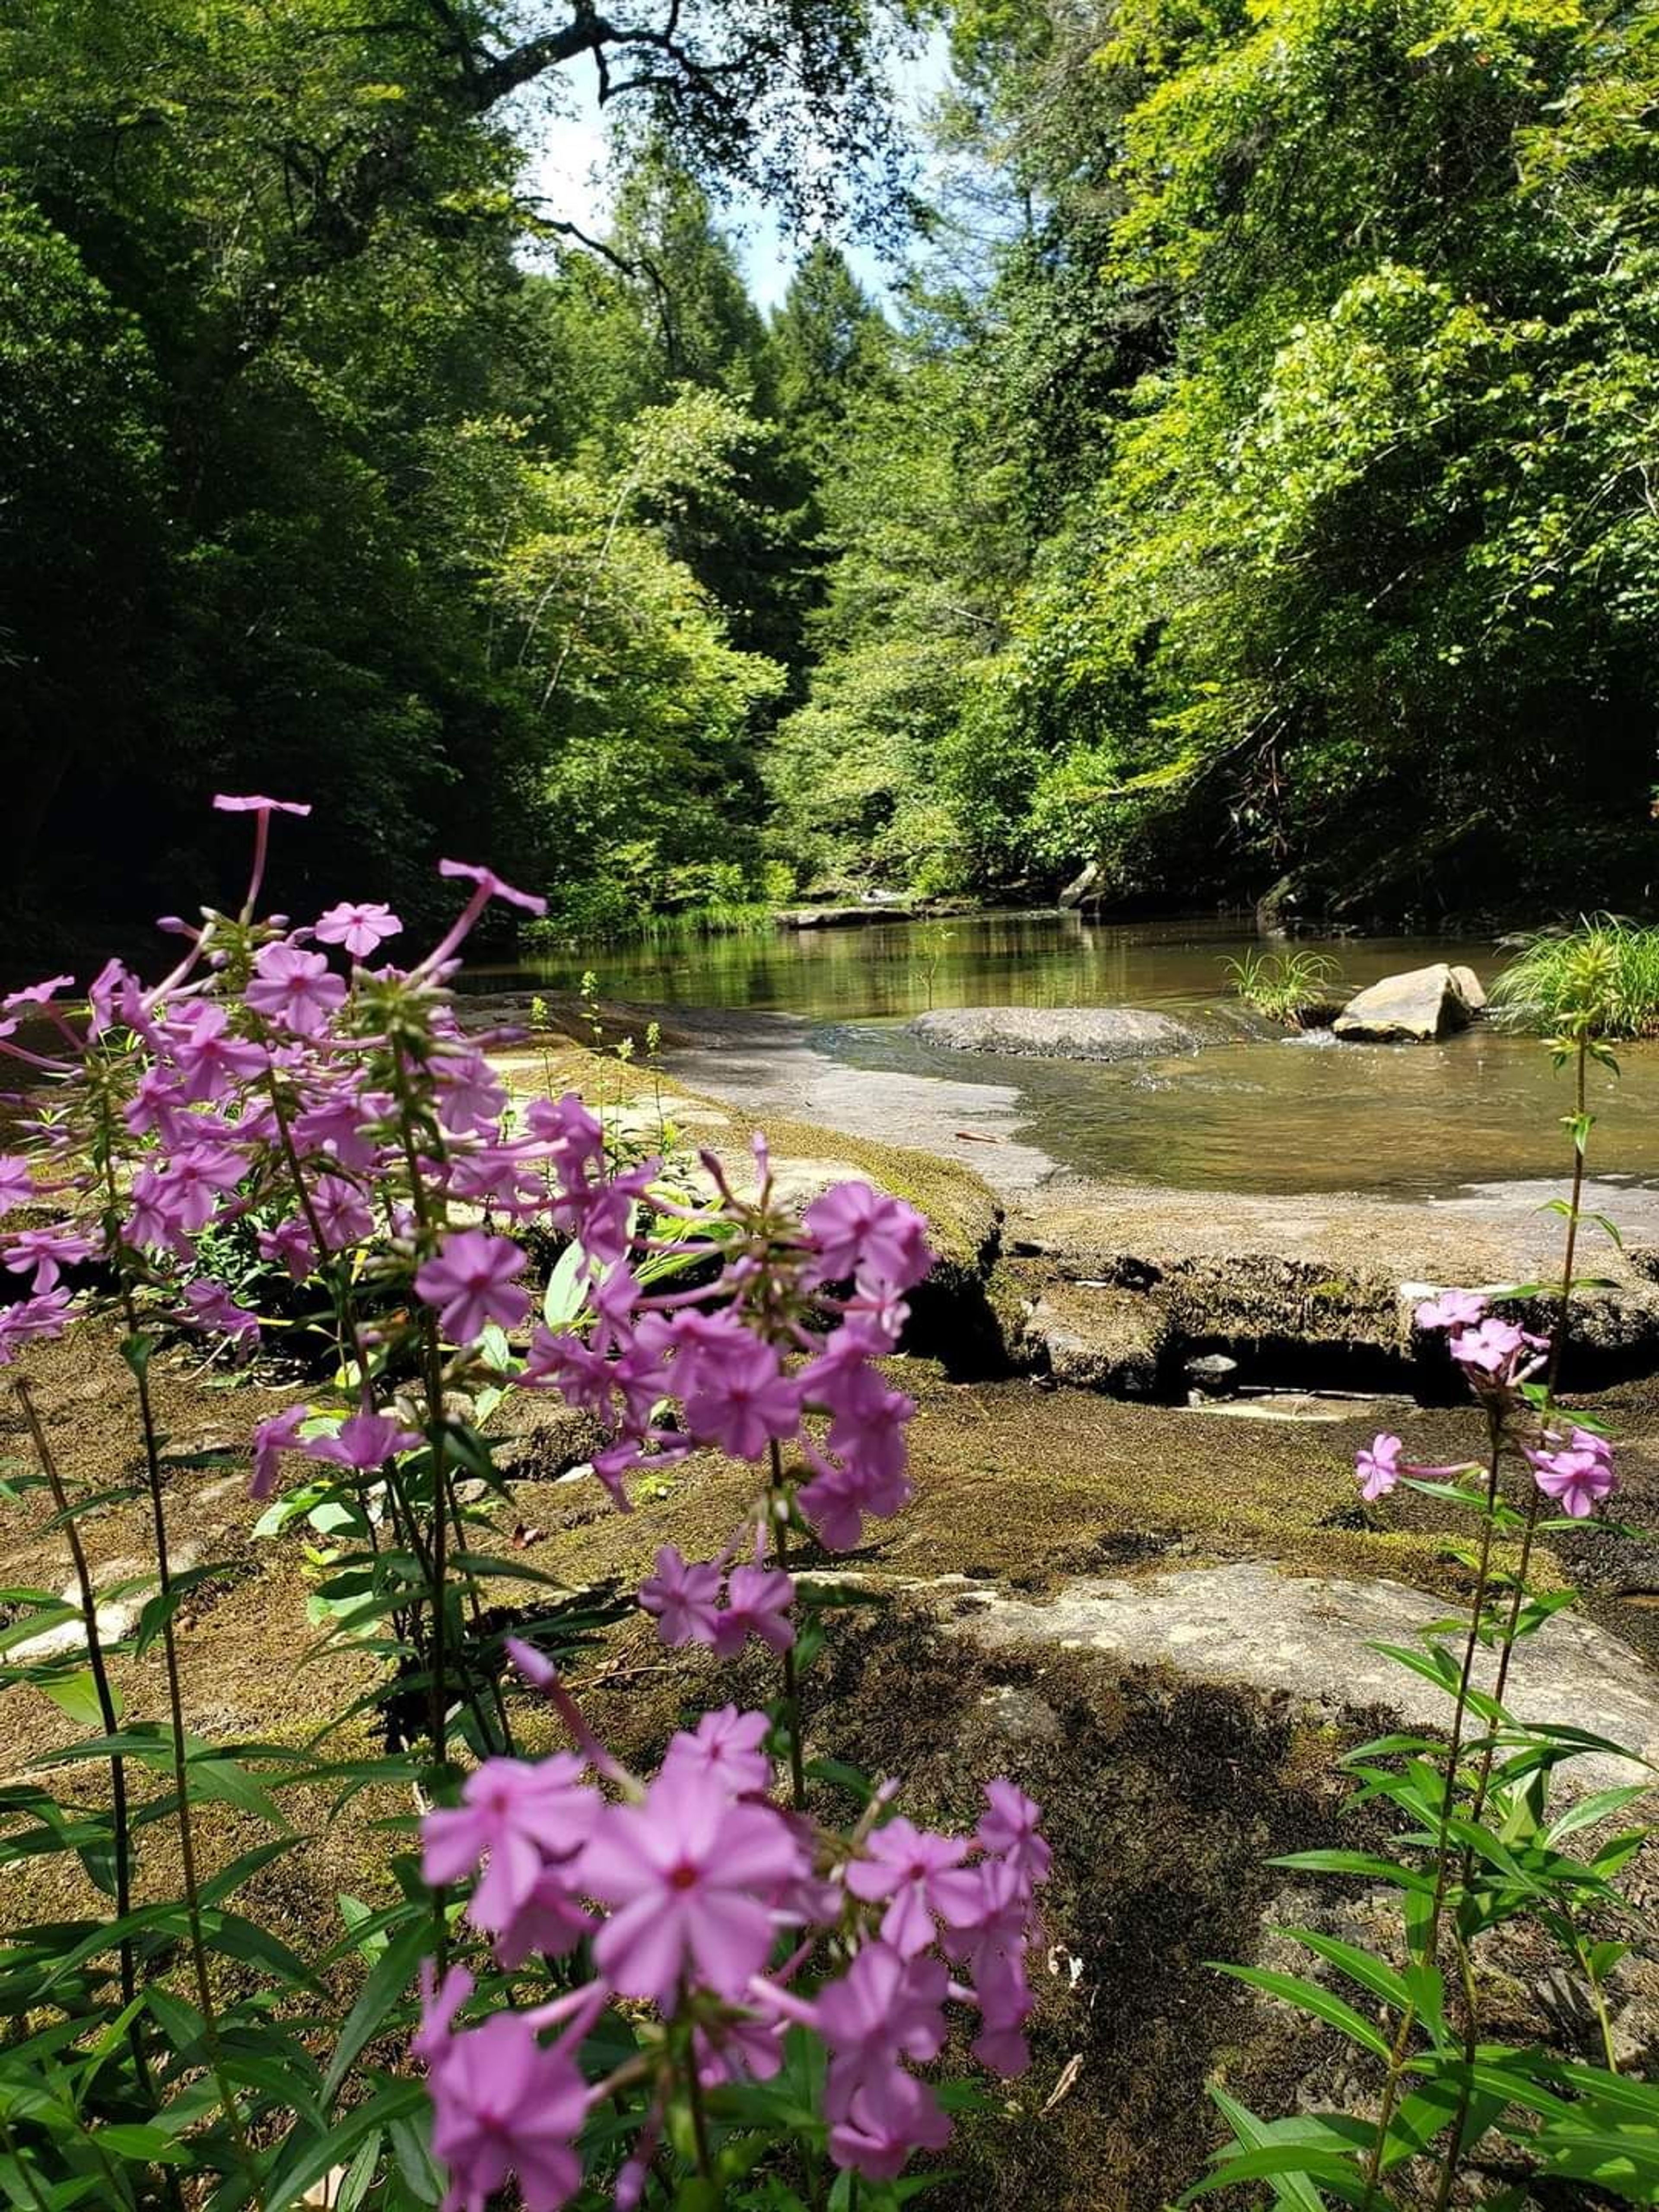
(1245,488)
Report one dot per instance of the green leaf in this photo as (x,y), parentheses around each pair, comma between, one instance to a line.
(224,1781)
(382,1992)
(1365,1864)
(1371,1973)
(1307,1996)
(1295,2193)
(77,1696)
(146,2144)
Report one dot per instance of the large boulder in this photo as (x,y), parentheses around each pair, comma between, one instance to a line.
(1060,1032)
(1418,1007)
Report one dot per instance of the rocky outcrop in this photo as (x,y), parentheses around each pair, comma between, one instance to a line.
(1101,1033)
(841,917)
(1314,1637)
(1418,1007)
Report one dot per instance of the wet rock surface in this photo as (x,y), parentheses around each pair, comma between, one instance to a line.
(1108,1033)
(1418,1007)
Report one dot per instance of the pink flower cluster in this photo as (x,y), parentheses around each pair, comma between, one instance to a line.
(345,1120)
(1498,1358)
(700,1896)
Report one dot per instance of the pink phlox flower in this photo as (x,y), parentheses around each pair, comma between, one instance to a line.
(600,1216)
(342,1212)
(573,1139)
(1490,1347)
(1378,1467)
(866,1238)
(1005,2005)
(1578,1477)
(471,1282)
(469,1096)
(295,988)
(256,805)
(271,1439)
(364,1441)
(903,1865)
(197,1179)
(883,2122)
(759,1602)
(1008,1827)
(36,994)
(1451,1309)
(288,1245)
(359,928)
(560,1359)
(158,1103)
(684,1595)
(211,1061)
(737,2050)
(17,1185)
(117,999)
(440,2002)
(342,1128)
(694,1877)
(550,1923)
(742,1399)
(176,1201)
(493,885)
(883,2009)
(45,1253)
(837,1499)
(498,1176)
(987,1909)
(868,1429)
(516,1819)
(504,2105)
(31,1320)
(212,1307)
(838,1375)
(725,1745)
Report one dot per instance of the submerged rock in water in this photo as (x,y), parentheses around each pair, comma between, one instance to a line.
(1418,1007)
(1062,1032)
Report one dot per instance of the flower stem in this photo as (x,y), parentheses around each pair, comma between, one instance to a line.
(107,1712)
(778,1500)
(1398,2052)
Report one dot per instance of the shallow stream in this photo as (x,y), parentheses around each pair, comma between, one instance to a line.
(1267,1113)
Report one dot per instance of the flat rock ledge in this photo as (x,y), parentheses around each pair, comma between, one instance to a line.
(1305,1637)
(1062,1032)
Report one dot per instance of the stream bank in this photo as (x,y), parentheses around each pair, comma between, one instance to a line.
(1146,1612)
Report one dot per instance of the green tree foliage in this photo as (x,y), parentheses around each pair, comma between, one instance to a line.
(285,427)
(1318,375)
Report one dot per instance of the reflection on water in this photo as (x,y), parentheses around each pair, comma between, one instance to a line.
(1274,1115)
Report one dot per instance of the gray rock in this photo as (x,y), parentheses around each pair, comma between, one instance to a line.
(1062,1032)
(1095,1337)
(840,917)
(1212,1374)
(1418,1007)
(1307,1637)
(1474,992)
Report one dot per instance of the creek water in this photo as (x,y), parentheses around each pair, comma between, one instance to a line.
(1266,1113)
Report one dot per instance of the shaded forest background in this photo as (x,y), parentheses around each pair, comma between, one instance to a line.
(1247,489)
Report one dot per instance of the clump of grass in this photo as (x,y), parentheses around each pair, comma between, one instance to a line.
(1600,978)
(1294,987)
